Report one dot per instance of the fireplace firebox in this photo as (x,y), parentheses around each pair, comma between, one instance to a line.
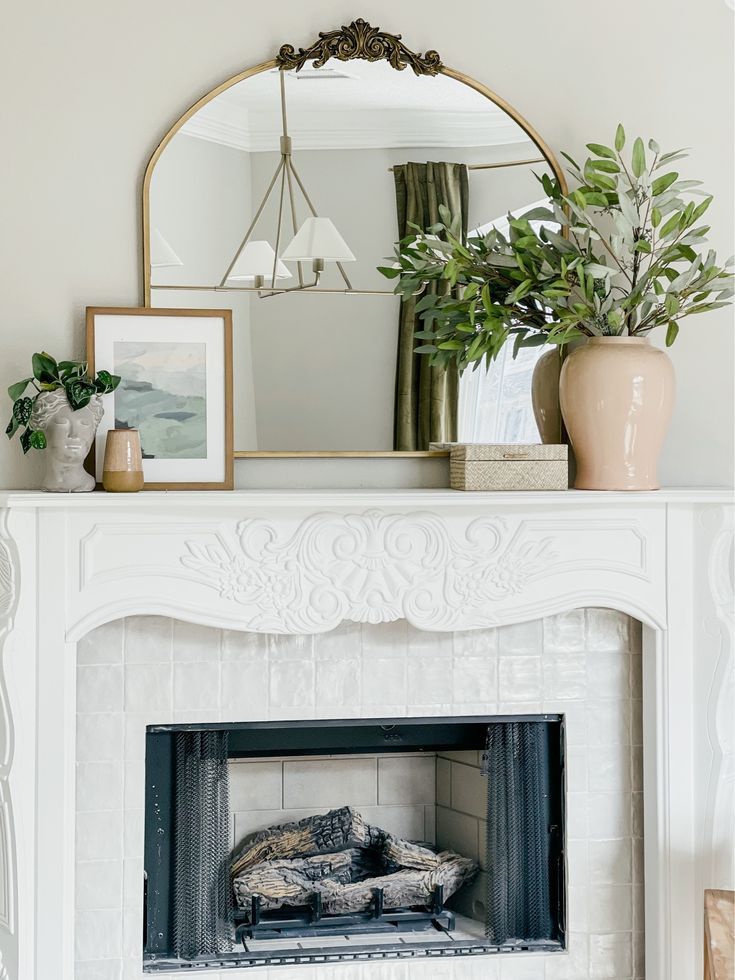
(316,842)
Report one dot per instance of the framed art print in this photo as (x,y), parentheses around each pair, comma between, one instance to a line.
(176,390)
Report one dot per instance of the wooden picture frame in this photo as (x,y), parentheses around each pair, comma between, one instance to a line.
(121,334)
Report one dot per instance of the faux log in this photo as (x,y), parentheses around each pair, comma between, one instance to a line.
(293,882)
(343,859)
(325,833)
(401,889)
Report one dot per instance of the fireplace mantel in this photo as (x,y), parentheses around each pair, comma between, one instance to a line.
(302,562)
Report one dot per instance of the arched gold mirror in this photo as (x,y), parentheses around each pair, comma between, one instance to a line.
(281,192)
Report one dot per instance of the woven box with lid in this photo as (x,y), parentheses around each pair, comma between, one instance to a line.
(480,466)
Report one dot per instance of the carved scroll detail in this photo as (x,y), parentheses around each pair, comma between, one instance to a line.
(359,40)
(370,568)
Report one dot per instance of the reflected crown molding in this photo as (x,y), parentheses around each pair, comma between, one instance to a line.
(258,132)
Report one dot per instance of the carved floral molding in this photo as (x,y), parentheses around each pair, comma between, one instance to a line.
(369,568)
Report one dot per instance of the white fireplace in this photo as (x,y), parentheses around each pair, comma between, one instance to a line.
(165,609)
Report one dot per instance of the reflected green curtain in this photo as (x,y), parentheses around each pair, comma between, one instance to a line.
(426,397)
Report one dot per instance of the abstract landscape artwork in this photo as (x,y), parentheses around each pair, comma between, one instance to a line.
(175,390)
(163,394)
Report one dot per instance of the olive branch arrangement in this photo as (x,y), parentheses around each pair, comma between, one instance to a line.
(620,254)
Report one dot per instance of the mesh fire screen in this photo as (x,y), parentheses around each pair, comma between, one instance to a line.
(519,833)
(201,888)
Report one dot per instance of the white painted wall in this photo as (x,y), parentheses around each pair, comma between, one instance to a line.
(90,89)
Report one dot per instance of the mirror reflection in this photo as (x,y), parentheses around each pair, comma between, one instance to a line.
(282,196)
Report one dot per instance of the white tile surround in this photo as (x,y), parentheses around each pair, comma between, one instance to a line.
(585,664)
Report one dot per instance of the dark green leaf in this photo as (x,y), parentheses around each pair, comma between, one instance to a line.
(25,440)
(105,382)
(425,349)
(389,271)
(12,427)
(22,410)
(45,368)
(671,331)
(79,393)
(639,157)
(16,390)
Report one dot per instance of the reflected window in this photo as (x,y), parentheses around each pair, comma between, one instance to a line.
(495,403)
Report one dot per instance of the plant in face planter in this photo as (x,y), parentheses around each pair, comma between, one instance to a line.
(617,256)
(60,416)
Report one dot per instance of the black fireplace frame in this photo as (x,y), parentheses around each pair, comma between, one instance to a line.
(330,737)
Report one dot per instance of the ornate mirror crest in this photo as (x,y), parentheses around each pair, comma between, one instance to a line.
(359,40)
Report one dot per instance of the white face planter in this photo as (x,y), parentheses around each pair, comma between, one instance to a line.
(69,437)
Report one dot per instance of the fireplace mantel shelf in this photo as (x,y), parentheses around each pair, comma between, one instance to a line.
(302,562)
(364,498)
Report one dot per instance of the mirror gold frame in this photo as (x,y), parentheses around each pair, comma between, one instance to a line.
(356,40)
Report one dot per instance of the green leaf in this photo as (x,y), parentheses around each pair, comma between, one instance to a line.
(700,209)
(655,217)
(671,331)
(660,184)
(639,157)
(671,224)
(37,439)
(22,410)
(570,159)
(607,166)
(425,349)
(79,393)
(105,382)
(654,147)
(596,198)
(619,138)
(16,390)
(389,271)
(25,440)
(602,151)
(12,427)
(45,368)
(671,304)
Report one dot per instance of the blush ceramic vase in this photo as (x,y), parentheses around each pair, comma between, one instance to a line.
(545,396)
(617,395)
(122,470)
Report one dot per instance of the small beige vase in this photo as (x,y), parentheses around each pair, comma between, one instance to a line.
(616,395)
(122,470)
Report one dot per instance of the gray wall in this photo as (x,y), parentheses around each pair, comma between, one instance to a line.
(89,89)
(200,197)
